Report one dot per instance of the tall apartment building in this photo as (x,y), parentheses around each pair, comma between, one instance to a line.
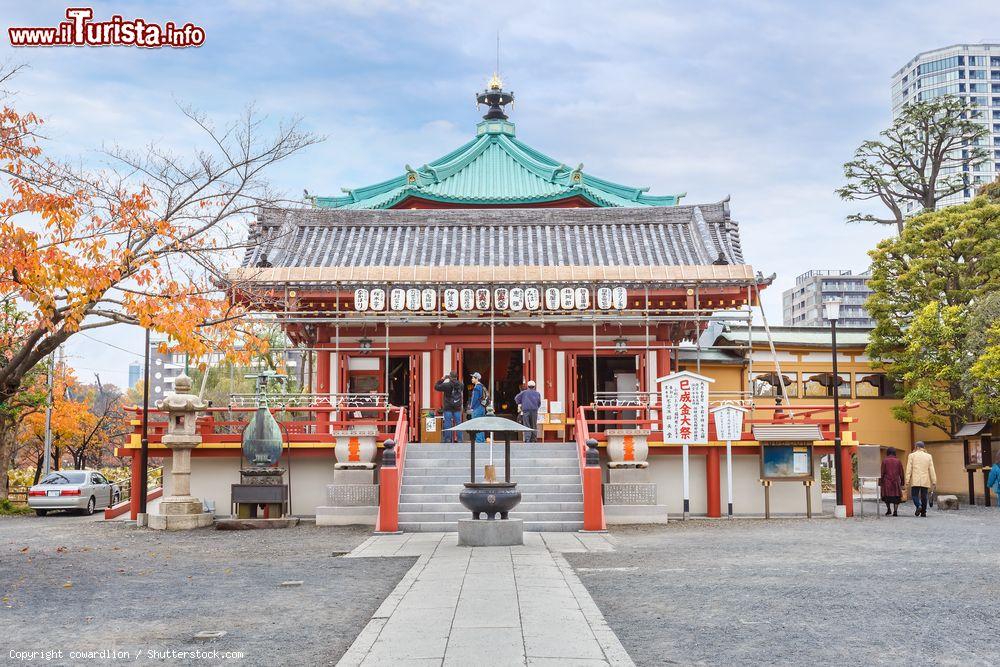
(803,304)
(968,71)
(134,374)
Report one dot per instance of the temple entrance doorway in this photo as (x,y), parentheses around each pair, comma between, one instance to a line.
(617,381)
(504,382)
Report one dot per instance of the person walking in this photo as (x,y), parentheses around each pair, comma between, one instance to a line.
(477,403)
(920,476)
(528,402)
(452,395)
(891,482)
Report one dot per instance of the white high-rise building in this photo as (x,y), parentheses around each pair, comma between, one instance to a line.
(968,71)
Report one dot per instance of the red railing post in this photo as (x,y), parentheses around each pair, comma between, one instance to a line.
(135,486)
(390,477)
(590,475)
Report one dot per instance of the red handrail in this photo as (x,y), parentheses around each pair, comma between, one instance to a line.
(390,479)
(590,477)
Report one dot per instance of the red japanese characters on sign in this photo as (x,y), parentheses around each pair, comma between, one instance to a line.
(684,401)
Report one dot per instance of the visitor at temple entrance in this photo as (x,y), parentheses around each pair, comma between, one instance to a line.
(452,400)
(477,404)
(891,482)
(920,476)
(528,402)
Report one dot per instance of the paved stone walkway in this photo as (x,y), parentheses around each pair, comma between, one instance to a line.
(486,605)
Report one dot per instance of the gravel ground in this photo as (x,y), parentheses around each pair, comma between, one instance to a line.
(72,583)
(864,591)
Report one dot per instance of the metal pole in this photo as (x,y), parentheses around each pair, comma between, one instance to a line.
(838,465)
(144,451)
(47,465)
(729,475)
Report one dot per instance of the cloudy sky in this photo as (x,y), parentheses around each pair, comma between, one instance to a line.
(760,101)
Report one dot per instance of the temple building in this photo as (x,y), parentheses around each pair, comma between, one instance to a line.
(499,260)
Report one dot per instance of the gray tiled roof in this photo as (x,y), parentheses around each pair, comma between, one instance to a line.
(653,236)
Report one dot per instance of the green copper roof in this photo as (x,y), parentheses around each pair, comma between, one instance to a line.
(494,168)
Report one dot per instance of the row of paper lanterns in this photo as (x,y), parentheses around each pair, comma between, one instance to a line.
(482,298)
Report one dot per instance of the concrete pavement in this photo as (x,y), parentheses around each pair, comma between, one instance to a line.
(486,605)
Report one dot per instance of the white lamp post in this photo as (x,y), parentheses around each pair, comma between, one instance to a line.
(832,308)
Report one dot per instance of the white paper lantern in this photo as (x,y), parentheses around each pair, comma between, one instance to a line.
(467,299)
(582,298)
(619,298)
(360,299)
(397,299)
(604,298)
(500,298)
(482,299)
(566,298)
(428,299)
(451,299)
(413,299)
(516,298)
(532,298)
(376,299)
(552,298)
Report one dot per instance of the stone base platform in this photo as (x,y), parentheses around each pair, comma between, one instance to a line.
(490,533)
(254,524)
(346,516)
(180,521)
(624,515)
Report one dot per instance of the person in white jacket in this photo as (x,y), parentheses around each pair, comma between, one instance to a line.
(920,476)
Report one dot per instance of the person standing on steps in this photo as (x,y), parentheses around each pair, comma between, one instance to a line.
(891,482)
(480,398)
(528,402)
(452,395)
(920,476)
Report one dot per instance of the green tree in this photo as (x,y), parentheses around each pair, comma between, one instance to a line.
(927,282)
(918,159)
(981,358)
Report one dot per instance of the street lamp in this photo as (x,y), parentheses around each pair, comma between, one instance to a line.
(832,307)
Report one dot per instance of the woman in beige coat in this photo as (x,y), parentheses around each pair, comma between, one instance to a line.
(920,476)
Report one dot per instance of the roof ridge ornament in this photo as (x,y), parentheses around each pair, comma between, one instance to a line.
(495,98)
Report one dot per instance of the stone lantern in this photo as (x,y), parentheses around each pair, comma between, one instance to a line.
(180,510)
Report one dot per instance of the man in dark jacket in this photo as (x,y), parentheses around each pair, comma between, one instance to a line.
(451,390)
(528,402)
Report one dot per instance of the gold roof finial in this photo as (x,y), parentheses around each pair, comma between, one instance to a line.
(495,82)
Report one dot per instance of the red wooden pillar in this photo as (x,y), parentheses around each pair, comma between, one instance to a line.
(847,484)
(135,484)
(551,381)
(323,387)
(436,371)
(712,485)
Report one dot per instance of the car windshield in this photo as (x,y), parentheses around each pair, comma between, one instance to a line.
(66,477)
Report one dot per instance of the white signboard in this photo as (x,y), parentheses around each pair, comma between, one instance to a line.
(451,299)
(376,299)
(684,407)
(361,299)
(397,299)
(728,422)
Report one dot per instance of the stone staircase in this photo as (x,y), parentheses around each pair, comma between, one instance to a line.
(547,474)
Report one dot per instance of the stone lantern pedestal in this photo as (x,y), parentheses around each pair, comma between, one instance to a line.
(629,495)
(180,510)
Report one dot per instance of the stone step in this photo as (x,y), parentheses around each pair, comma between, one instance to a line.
(515,469)
(459,478)
(530,526)
(408,488)
(437,517)
(523,507)
(525,497)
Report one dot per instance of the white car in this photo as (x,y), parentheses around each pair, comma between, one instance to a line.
(81,490)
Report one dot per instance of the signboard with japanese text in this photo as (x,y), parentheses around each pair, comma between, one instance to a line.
(684,404)
(728,421)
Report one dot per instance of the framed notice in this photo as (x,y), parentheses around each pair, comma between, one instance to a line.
(684,401)
(786,461)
